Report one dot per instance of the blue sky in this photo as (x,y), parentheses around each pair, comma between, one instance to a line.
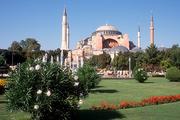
(41,19)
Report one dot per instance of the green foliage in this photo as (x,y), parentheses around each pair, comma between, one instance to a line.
(2,60)
(100,61)
(120,61)
(173,74)
(165,64)
(88,78)
(152,55)
(140,74)
(15,46)
(45,90)
(175,55)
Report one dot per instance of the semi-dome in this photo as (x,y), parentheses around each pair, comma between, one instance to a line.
(120,48)
(107,27)
(107,30)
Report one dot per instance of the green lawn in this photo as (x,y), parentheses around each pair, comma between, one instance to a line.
(114,91)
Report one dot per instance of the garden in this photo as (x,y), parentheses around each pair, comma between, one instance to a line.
(114,92)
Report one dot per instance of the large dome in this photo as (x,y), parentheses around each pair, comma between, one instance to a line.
(107,27)
(107,30)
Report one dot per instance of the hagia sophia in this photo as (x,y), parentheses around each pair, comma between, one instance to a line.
(106,38)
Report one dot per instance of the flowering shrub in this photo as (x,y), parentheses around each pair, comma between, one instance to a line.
(154,100)
(45,90)
(140,75)
(88,78)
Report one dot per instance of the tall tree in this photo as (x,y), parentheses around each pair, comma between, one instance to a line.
(30,46)
(120,61)
(15,46)
(152,55)
(175,55)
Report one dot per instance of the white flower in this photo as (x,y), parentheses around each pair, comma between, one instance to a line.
(141,74)
(36,107)
(76,77)
(80,102)
(139,69)
(48,93)
(39,92)
(37,67)
(31,68)
(144,78)
(76,83)
(81,94)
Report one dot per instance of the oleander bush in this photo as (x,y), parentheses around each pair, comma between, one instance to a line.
(173,74)
(47,91)
(140,75)
(88,78)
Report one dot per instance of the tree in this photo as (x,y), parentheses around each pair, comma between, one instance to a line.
(15,46)
(100,61)
(175,55)
(2,60)
(29,46)
(152,55)
(120,61)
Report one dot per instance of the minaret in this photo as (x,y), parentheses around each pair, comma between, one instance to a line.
(139,37)
(68,34)
(152,31)
(65,32)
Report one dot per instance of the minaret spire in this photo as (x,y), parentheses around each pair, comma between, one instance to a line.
(139,37)
(152,31)
(65,31)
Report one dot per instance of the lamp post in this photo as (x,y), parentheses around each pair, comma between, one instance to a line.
(130,72)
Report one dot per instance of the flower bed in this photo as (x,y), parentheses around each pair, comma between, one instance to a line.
(2,85)
(154,100)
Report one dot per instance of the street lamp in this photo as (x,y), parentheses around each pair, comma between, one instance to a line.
(130,72)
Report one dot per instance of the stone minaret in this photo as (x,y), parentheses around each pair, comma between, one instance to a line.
(139,37)
(152,31)
(68,34)
(65,32)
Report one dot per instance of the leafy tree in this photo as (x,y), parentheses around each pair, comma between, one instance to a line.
(100,61)
(152,55)
(2,60)
(15,46)
(30,44)
(175,55)
(165,64)
(121,61)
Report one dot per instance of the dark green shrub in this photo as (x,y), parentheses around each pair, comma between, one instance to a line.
(173,74)
(88,78)
(45,90)
(140,75)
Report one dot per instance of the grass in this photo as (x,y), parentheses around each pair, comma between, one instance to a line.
(115,91)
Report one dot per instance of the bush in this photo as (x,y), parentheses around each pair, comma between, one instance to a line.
(88,78)
(173,74)
(140,75)
(47,91)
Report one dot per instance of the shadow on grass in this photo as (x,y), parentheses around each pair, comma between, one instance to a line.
(104,91)
(99,86)
(148,82)
(98,115)
(3,101)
